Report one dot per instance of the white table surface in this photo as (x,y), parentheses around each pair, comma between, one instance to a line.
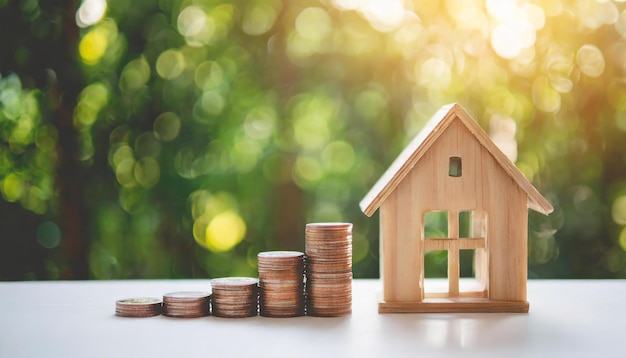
(76,319)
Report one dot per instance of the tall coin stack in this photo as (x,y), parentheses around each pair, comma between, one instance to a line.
(186,304)
(281,283)
(235,297)
(329,269)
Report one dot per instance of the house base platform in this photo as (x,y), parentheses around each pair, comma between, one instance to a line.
(454,305)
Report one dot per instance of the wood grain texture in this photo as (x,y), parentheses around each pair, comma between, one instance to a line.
(460,294)
(401,247)
(480,225)
(446,243)
(459,305)
(490,187)
(421,144)
(454,270)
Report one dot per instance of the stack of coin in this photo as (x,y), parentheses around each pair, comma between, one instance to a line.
(329,269)
(281,283)
(186,304)
(235,297)
(138,307)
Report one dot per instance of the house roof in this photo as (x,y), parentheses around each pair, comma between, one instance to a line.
(424,140)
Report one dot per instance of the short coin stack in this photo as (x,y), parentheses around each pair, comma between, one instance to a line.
(138,307)
(329,269)
(186,304)
(235,297)
(281,282)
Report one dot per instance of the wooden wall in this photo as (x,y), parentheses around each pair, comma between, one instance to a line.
(428,187)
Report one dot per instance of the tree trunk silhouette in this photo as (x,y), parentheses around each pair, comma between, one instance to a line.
(41,49)
(70,176)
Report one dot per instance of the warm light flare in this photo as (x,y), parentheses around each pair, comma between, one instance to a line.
(93,46)
(516,26)
(383,15)
(90,12)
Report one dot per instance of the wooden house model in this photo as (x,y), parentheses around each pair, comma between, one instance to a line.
(453,167)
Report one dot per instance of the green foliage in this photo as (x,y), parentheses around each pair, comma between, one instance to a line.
(211,130)
(27,153)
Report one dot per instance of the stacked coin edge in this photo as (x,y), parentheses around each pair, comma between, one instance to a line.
(186,304)
(235,297)
(329,269)
(138,307)
(281,283)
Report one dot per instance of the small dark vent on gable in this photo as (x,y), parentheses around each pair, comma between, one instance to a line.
(455,167)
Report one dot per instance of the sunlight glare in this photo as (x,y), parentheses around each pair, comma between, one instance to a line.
(468,14)
(191,21)
(347,4)
(435,73)
(313,23)
(506,40)
(535,16)
(560,69)
(502,132)
(93,46)
(225,231)
(170,64)
(90,12)
(383,15)
(590,60)
(259,18)
(545,97)
(502,9)
(594,14)
(196,27)
(516,26)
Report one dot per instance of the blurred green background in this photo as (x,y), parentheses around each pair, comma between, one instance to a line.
(179,138)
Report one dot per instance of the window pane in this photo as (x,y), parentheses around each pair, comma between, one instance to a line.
(455,167)
(436,224)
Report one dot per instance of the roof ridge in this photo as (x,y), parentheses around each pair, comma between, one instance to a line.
(420,144)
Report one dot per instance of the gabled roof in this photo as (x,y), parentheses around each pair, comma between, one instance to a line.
(422,143)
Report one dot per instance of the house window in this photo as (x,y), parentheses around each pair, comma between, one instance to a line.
(472,224)
(454,244)
(435,230)
(466,263)
(455,167)
(436,225)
